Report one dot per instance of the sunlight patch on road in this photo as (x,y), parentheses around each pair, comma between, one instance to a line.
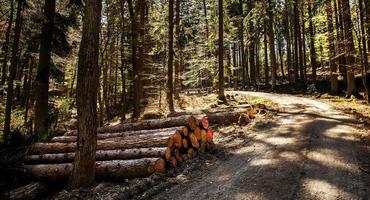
(321,189)
(281,140)
(249,195)
(263,162)
(331,159)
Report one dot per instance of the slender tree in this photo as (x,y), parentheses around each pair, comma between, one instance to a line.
(221,92)
(333,68)
(170,58)
(271,39)
(134,38)
(6,44)
(43,70)
(349,47)
(83,172)
(178,54)
(312,41)
(252,64)
(13,69)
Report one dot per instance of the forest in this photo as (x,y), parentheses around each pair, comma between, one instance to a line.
(154,99)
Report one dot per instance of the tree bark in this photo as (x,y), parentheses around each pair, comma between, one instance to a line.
(288,40)
(6,44)
(107,170)
(13,70)
(312,41)
(136,111)
(123,68)
(101,155)
(177,57)
(297,39)
(350,48)
(334,85)
(43,71)
(170,58)
(221,92)
(252,64)
(83,172)
(267,81)
(271,38)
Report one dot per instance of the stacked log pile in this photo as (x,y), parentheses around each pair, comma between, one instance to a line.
(125,152)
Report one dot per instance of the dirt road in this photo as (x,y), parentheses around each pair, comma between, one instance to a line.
(308,152)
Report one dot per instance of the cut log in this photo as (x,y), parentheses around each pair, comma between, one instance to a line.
(193,141)
(193,123)
(115,169)
(170,142)
(197,133)
(185,132)
(102,136)
(45,148)
(34,190)
(204,123)
(101,155)
(168,153)
(178,156)
(191,153)
(173,162)
(139,137)
(203,135)
(185,143)
(209,135)
(177,139)
(224,118)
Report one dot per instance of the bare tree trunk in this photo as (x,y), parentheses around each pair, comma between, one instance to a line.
(135,74)
(252,64)
(6,44)
(170,58)
(221,93)
(122,49)
(177,57)
(270,34)
(312,41)
(43,71)
(13,70)
(266,57)
(297,34)
(83,172)
(288,41)
(364,53)
(205,17)
(350,48)
(333,68)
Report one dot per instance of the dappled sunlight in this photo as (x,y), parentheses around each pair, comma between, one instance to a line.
(250,195)
(331,159)
(281,140)
(321,189)
(264,162)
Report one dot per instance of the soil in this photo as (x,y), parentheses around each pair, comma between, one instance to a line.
(309,151)
(305,149)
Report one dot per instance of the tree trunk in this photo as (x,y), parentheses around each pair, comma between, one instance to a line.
(43,71)
(221,93)
(136,91)
(170,58)
(177,57)
(350,48)
(6,44)
(297,36)
(334,85)
(312,41)
(252,64)
(266,56)
(13,70)
(245,76)
(101,155)
(271,38)
(83,172)
(206,18)
(364,52)
(108,170)
(288,40)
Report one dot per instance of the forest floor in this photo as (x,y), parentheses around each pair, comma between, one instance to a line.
(304,149)
(310,150)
